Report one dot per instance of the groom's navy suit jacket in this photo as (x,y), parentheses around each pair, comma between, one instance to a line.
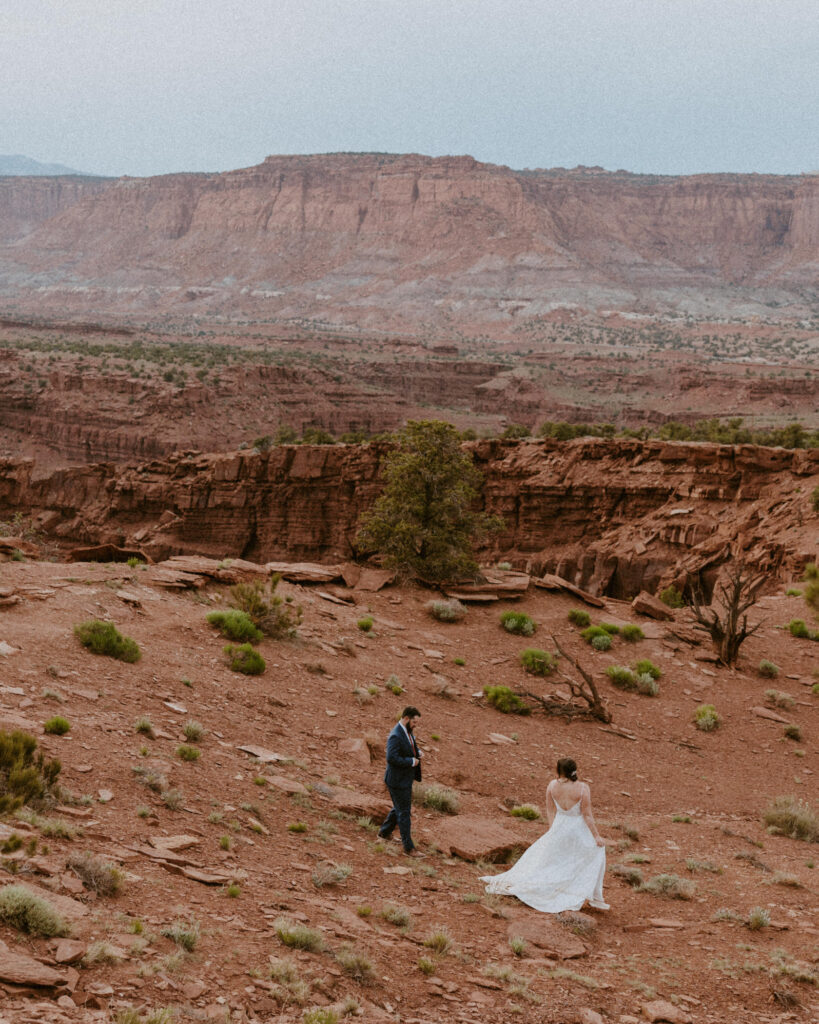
(400,770)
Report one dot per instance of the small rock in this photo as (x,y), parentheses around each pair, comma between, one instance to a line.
(287,785)
(587,1016)
(105,796)
(662,1010)
(646,604)
(69,951)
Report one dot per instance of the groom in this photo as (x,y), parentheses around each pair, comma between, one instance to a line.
(403,767)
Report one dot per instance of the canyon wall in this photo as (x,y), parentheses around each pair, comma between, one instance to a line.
(406,241)
(613,516)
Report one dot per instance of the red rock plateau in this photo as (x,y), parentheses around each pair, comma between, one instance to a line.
(271,825)
(407,242)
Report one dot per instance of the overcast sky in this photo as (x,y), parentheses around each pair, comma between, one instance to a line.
(667,86)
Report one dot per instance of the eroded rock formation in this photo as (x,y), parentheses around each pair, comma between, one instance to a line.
(614,517)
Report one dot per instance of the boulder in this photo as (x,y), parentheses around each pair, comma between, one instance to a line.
(356,749)
(361,804)
(17,968)
(473,838)
(69,951)
(646,604)
(662,1010)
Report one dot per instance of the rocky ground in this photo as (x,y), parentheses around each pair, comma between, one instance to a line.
(224,848)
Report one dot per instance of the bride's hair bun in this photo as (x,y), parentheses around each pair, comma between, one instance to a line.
(567,768)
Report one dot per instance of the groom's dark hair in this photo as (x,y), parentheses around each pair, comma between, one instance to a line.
(410,712)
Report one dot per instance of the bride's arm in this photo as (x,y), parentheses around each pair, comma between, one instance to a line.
(550,805)
(588,817)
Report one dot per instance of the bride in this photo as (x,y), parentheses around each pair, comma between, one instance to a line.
(565,867)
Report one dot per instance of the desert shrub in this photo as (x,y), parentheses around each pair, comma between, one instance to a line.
(768,670)
(537,662)
(184,933)
(518,622)
(104,878)
(244,659)
(459,661)
(793,592)
(671,886)
(331,874)
(672,597)
(780,699)
(355,965)
(610,628)
(811,578)
(601,642)
(794,818)
(591,632)
(646,667)
(426,965)
(144,726)
(633,876)
(621,677)
(706,718)
(439,798)
(57,726)
(321,1015)
(172,798)
(647,684)
(503,699)
(526,811)
(25,776)
(792,732)
(298,936)
(187,753)
(814,499)
(276,616)
(447,611)
(438,940)
(518,945)
(631,633)
(758,918)
(399,916)
(27,912)
(193,730)
(104,638)
(797,627)
(578,617)
(393,684)
(235,625)
(365,623)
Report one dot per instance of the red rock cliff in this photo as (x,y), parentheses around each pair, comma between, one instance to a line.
(405,240)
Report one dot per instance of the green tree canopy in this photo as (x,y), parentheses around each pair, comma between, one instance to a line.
(424,523)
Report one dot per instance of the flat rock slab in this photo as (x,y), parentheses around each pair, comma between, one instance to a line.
(661,1010)
(70,909)
(551,582)
(472,838)
(361,804)
(18,969)
(771,716)
(262,754)
(287,785)
(543,931)
(174,843)
(305,572)
(646,604)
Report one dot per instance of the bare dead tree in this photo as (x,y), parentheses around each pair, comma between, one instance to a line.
(728,624)
(585,701)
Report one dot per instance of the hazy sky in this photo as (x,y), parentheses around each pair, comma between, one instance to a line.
(668,86)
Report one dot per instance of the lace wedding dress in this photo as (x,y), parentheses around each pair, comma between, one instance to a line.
(561,871)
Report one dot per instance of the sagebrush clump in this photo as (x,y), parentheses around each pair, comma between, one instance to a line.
(578,617)
(245,659)
(518,623)
(789,816)
(767,669)
(24,910)
(447,611)
(104,638)
(706,718)
(275,616)
(235,625)
(537,662)
(25,775)
(503,699)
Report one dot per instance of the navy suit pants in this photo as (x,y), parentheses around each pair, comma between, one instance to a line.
(399,815)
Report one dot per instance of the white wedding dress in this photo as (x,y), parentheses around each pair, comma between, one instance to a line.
(561,871)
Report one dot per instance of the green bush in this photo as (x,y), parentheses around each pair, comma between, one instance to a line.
(244,659)
(797,627)
(104,638)
(187,753)
(365,624)
(518,623)
(447,611)
(101,876)
(25,776)
(578,617)
(438,798)
(24,910)
(791,817)
(503,699)
(644,666)
(529,812)
(811,578)
(631,633)
(814,499)
(601,642)
(276,616)
(672,597)
(768,670)
(537,662)
(57,726)
(647,684)
(706,718)
(235,625)
(591,632)
(298,936)
(610,628)
(623,678)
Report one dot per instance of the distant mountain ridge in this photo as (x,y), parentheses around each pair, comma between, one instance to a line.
(409,243)
(16,165)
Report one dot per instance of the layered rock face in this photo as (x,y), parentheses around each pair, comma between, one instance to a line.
(405,241)
(613,516)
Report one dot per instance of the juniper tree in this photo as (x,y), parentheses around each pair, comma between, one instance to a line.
(424,523)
